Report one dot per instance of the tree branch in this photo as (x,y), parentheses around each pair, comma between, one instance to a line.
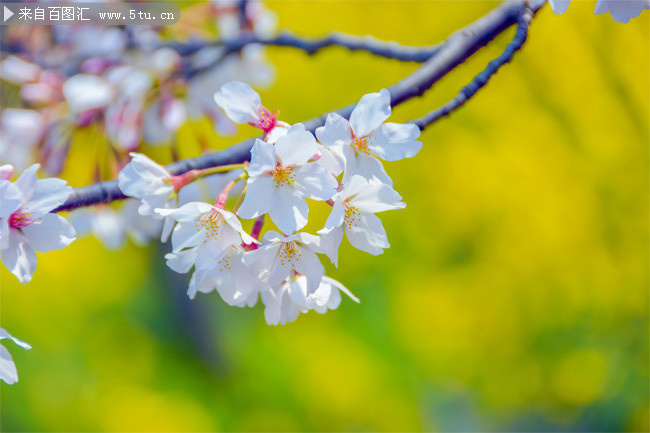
(454,51)
(481,79)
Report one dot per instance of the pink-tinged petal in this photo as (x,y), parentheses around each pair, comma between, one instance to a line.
(49,232)
(239,101)
(48,194)
(336,131)
(260,197)
(181,261)
(280,130)
(19,257)
(262,158)
(559,6)
(368,235)
(394,141)
(315,181)
(10,199)
(6,171)
(297,147)
(8,371)
(371,111)
(290,212)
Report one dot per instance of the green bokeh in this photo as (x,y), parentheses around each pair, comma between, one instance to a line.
(514,296)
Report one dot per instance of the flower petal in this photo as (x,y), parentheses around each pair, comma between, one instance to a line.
(315,181)
(262,158)
(559,6)
(261,196)
(296,147)
(239,101)
(395,141)
(371,111)
(19,257)
(290,211)
(50,232)
(371,195)
(368,235)
(8,371)
(336,131)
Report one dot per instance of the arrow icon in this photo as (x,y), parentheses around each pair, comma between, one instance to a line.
(8,14)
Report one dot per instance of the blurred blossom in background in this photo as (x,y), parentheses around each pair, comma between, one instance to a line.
(514,296)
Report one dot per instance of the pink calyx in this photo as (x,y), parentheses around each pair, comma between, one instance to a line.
(267,120)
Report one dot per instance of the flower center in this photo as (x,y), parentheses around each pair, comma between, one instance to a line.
(289,254)
(224,262)
(360,145)
(211,223)
(352,216)
(18,219)
(267,120)
(283,176)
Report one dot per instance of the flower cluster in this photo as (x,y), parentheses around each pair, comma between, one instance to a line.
(341,165)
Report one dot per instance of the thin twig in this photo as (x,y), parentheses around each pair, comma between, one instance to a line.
(458,48)
(481,79)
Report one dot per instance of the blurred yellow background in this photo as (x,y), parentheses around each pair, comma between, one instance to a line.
(514,296)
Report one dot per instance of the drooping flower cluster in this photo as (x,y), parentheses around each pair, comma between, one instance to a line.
(289,168)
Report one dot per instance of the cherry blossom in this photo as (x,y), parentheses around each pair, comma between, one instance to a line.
(281,257)
(230,277)
(284,303)
(202,235)
(365,139)
(242,104)
(354,213)
(26,224)
(281,177)
(150,182)
(8,371)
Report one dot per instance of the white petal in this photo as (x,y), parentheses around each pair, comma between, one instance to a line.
(336,217)
(260,197)
(262,158)
(310,266)
(290,211)
(368,235)
(336,131)
(26,183)
(371,195)
(50,232)
(8,371)
(186,235)
(188,212)
(341,287)
(181,261)
(366,166)
(19,257)
(4,334)
(330,243)
(239,101)
(622,10)
(48,194)
(297,147)
(559,6)
(371,111)
(394,141)
(315,181)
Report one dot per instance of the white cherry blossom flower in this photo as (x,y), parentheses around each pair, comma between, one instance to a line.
(230,277)
(8,371)
(203,235)
(150,182)
(26,224)
(354,212)
(282,257)
(284,303)
(281,177)
(365,139)
(242,104)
